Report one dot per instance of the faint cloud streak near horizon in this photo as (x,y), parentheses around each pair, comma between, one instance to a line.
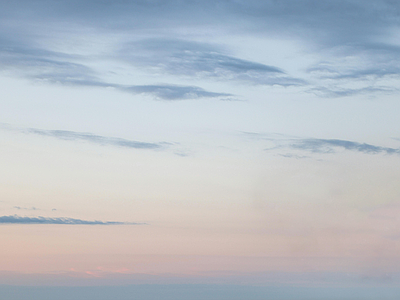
(15,219)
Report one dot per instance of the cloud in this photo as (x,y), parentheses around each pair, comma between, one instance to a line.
(28,60)
(25,208)
(335,91)
(173,92)
(290,155)
(195,59)
(368,68)
(60,68)
(62,221)
(96,139)
(313,145)
(166,92)
(330,146)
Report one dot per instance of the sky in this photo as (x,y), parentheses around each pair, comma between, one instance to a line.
(221,145)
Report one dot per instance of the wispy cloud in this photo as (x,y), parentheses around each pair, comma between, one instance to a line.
(96,139)
(66,135)
(351,69)
(28,60)
(61,221)
(281,142)
(167,92)
(173,92)
(337,91)
(47,66)
(332,145)
(26,208)
(195,59)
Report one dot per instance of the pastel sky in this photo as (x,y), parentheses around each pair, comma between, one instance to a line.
(199,143)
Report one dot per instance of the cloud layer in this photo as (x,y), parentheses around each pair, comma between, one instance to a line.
(354,40)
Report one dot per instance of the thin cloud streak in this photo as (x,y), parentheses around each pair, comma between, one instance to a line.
(66,135)
(172,92)
(167,92)
(314,145)
(329,146)
(335,92)
(96,139)
(15,219)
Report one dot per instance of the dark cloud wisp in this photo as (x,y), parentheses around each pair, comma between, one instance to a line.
(15,219)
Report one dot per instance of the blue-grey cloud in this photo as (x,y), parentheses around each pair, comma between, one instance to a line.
(174,92)
(331,145)
(56,67)
(14,219)
(96,139)
(28,60)
(281,142)
(335,91)
(366,65)
(167,92)
(66,135)
(194,59)
(370,69)
(291,155)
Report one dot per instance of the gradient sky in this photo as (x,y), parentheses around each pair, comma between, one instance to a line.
(200,142)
